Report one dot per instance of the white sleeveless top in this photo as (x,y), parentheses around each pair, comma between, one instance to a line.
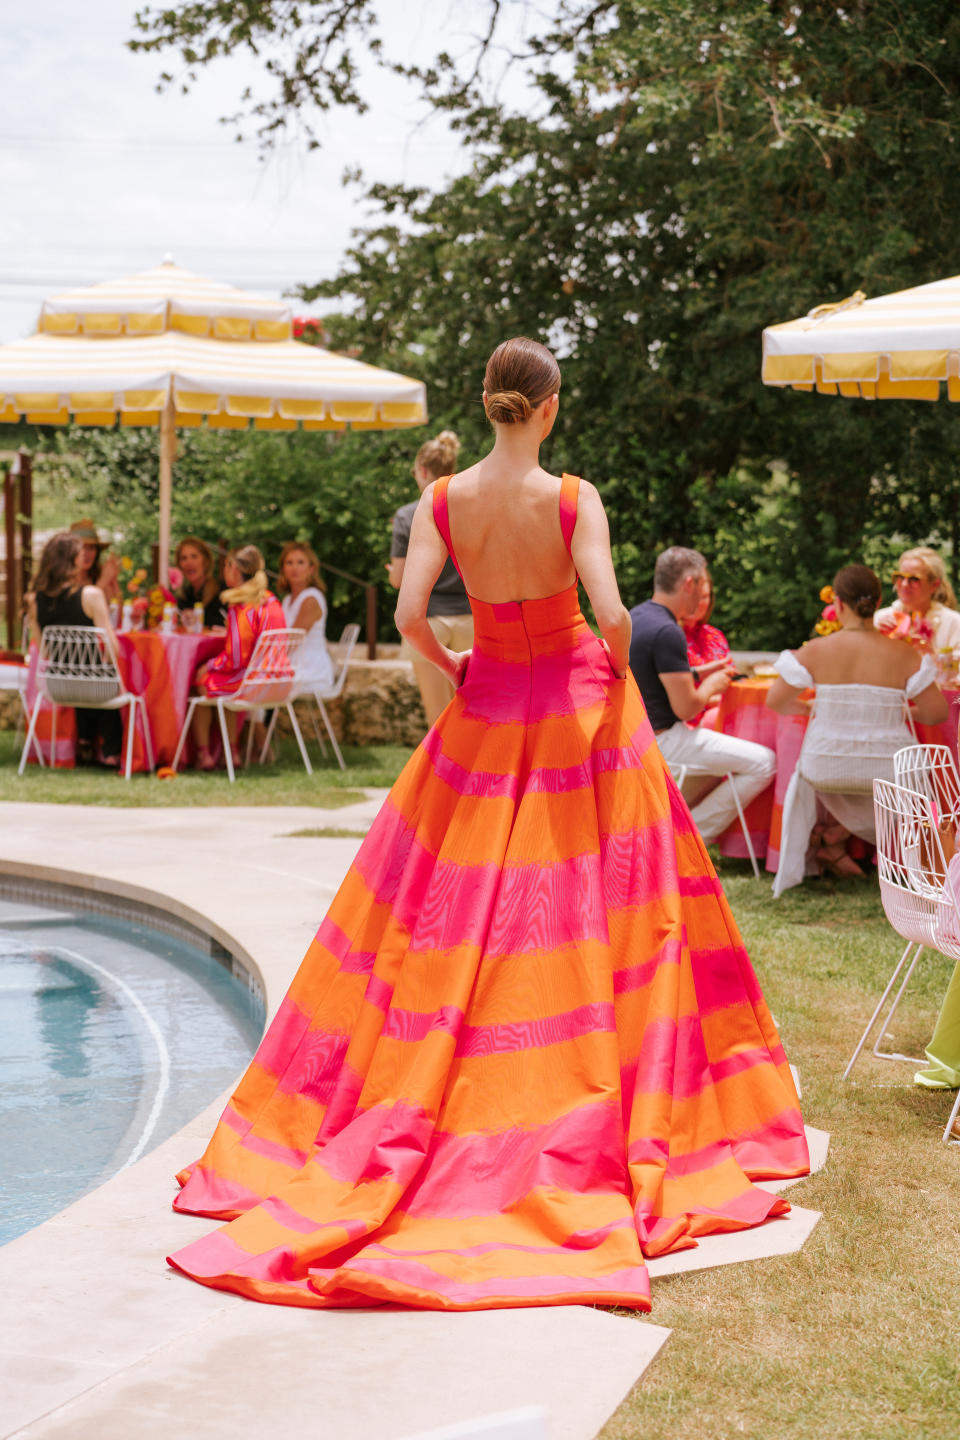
(314,667)
(855,730)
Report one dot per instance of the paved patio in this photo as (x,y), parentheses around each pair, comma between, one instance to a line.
(103,1339)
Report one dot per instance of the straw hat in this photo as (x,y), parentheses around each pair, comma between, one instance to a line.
(87,531)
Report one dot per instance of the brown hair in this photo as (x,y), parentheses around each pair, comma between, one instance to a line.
(58,562)
(520,375)
(936,570)
(292,547)
(859,588)
(439,455)
(197,544)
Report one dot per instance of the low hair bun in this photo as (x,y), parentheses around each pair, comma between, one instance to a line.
(509,407)
(520,374)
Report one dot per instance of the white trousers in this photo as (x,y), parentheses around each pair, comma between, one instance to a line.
(752,767)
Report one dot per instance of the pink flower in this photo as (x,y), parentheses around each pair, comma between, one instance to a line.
(175,577)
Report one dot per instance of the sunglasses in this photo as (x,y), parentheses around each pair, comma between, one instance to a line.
(899,578)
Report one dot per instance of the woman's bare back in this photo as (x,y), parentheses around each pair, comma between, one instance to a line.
(860,657)
(506,534)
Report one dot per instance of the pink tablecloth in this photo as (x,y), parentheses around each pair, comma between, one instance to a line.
(743,711)
(159,667)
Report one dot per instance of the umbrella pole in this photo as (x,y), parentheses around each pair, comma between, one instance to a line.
(168,450)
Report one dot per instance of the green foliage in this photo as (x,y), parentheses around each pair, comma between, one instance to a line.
(337,492)
(681,175)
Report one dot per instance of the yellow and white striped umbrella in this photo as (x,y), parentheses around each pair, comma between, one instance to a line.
(903,346)
(50,379)
(169,348)
(165,298)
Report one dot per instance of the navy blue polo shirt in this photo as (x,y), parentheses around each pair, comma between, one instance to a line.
(658,647)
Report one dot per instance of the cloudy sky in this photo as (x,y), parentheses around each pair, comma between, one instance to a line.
(100,176)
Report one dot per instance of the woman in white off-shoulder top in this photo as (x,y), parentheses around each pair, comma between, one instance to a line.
(864,681)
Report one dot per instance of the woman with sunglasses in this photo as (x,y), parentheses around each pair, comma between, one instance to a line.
(925,610)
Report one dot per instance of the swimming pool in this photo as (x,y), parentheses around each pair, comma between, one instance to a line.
(113,1035)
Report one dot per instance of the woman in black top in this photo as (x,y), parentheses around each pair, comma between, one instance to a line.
(59,600)
(194,559)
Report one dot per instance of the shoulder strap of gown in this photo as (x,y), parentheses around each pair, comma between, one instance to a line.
(441,515)
(569,491)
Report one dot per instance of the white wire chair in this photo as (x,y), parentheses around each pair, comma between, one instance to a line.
(305,691)
(268,680)
(77,668)
(930,770)
(917,892)
(681,773)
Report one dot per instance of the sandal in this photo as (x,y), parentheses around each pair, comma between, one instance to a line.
(834,860)
(204,760)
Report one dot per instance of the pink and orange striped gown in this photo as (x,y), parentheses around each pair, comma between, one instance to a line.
(526,1047)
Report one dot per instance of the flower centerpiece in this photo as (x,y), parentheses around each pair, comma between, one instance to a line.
(828,622)
(146,602)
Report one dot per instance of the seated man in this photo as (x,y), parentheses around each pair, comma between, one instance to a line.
(673,693)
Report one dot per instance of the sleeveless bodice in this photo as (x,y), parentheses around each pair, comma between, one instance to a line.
(517,630)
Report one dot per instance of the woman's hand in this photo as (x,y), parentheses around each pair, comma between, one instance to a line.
(620,674)
(459,660)
(711,666)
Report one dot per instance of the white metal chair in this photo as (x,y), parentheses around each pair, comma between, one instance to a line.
(78,668)
(349,638)
(681,773)
(929,769)
(917,895)
(268,680)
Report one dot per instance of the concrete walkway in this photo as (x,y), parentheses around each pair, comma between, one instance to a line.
(100,1338)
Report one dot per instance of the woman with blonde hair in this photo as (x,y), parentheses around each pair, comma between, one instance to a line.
(526,1047)
(253,609)
(305,608)
(448,610)
(925,610)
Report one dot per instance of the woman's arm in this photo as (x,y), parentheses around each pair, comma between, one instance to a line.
(785,699)
(590,549)
(930,707)
(93,603)
(424,560)
(308,614)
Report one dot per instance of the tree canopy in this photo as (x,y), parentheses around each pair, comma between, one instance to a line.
(683,174)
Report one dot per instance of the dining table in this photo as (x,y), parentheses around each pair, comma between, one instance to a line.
(154,664)
(743,711)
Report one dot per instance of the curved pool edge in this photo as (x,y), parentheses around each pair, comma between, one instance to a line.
(140,904)
(97,1307)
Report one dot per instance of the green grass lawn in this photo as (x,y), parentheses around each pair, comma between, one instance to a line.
(856,1335)
(285,782)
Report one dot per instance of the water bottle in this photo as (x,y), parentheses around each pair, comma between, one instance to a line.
(198,619)
(166,624)
(126,620)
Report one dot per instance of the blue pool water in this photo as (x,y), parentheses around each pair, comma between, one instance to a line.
(112,1036)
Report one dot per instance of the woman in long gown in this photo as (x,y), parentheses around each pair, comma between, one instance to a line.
(526,1047)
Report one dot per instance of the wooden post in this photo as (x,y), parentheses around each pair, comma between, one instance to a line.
(10,528)
(371,622)
(154,562)
(168,451)
(26,520)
